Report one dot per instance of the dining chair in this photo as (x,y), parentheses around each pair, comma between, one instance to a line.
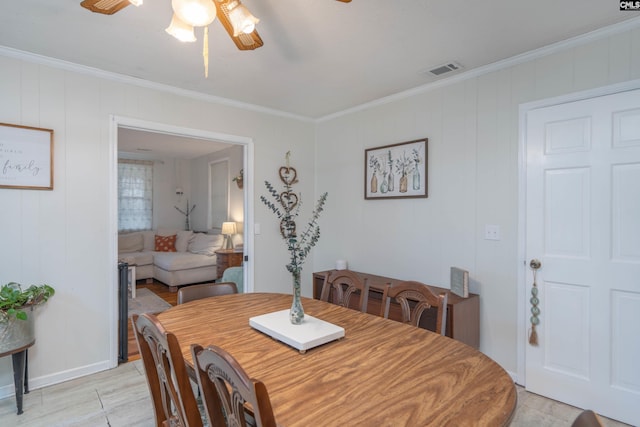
(205,290)
(587,418)
(235,275)
(229,396)
(414,298)
(344,283)
(171,394)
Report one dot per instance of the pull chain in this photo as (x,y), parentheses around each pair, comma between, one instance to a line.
(535,310)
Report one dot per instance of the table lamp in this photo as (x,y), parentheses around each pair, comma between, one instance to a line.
(228,228)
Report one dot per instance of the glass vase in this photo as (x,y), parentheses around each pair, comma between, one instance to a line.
(296,314)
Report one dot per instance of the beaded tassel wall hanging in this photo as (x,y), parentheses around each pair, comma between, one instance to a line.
(535,310)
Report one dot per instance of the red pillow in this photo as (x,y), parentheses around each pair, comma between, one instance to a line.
(166,243)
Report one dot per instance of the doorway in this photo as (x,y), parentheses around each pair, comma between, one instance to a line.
(582,226)
(116,123)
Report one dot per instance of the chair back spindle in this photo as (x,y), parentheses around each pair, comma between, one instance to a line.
(230,397)
(414,298)
(171,394)
(342,285)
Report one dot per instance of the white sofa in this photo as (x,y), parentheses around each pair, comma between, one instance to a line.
(193,261)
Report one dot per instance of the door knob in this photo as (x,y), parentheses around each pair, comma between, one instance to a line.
(535,264)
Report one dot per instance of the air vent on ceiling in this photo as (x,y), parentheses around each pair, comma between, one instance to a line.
(445,68)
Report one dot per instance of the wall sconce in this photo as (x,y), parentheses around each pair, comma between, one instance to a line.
(228,229)
(179,191)
(239,180)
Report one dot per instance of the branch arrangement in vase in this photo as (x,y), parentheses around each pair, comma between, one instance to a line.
(187,214)
(286,206)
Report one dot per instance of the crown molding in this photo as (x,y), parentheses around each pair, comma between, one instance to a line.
(121,78)
(598,34)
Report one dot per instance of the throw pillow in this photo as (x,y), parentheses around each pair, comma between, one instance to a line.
(205,244)
(183,239)
(166,243)
(166,232)
(148,236)
(132,242)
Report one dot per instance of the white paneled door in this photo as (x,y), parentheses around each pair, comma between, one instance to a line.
(583,225)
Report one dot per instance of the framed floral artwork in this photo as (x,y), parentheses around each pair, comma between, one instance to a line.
(26,157)
(396,171)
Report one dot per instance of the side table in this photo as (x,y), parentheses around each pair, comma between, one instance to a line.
(226,258)
(463,314)
(20,371)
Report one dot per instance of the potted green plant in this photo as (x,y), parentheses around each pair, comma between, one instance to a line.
(16,326)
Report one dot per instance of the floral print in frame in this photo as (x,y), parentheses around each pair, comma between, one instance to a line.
(396,171)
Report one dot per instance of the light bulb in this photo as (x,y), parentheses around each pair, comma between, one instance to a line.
(181,30)
(198,13)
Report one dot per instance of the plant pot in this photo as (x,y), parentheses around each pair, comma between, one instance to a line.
(16,333)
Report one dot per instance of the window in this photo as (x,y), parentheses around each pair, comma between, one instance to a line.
(135,195)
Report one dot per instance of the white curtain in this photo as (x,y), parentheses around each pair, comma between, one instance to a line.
(135,195)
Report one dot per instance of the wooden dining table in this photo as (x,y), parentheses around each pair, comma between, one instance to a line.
(382,373)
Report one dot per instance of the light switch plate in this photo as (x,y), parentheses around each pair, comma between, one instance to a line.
(491,232)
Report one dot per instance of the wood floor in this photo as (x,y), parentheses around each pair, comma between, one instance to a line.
(163,292)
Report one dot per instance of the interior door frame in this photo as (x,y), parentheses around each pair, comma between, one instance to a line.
(116,122)
(523,271)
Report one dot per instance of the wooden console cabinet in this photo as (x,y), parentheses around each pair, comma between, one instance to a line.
(226,258)
(463,314)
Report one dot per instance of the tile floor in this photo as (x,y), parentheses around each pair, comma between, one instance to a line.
(120,398)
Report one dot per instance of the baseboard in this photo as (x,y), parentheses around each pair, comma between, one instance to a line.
(57,378)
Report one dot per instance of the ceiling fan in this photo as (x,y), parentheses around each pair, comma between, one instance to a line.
(234,16)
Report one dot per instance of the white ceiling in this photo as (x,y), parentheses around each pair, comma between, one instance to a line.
(319,56)
(141,144)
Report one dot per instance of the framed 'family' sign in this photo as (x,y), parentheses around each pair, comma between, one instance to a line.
(396,171)
(26,157)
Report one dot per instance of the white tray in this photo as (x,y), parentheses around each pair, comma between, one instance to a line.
(311,333)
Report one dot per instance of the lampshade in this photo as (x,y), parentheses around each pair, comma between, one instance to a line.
(228,228)
(197,13)
(242,20)
(181,30)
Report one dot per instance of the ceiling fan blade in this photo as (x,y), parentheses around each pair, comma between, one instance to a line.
(243,41)
(107,7)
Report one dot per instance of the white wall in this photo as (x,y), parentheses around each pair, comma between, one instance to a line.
(199,177)
(61,237)
(168,174)
(472,127)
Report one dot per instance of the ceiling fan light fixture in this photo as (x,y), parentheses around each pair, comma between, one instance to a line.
(242,20)
(197,13)
(181,30)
